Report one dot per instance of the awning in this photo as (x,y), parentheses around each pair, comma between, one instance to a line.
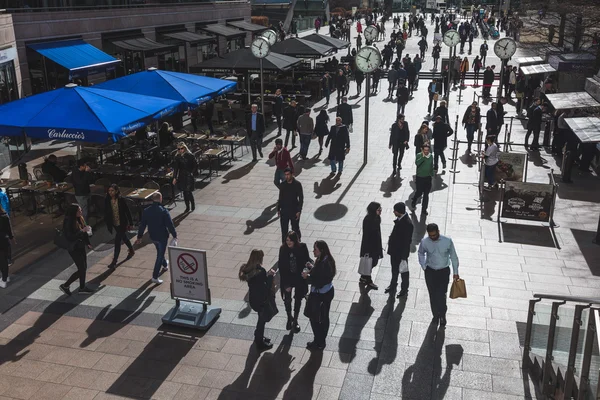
(537,69)
(243,60)
(571,100)
(301,48)
(148,46)
(247,26)
(523,61)
(327,41)
(79,57)
(223,30)
(190,37)
(587,129)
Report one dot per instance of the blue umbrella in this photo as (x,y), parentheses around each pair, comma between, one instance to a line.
(86,114)
(187,88)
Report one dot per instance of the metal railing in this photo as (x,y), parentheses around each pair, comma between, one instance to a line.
(560,349)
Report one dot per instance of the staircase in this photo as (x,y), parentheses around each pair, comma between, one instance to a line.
(560,349)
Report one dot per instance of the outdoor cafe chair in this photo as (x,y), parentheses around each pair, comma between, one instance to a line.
(168,195)
(151,185)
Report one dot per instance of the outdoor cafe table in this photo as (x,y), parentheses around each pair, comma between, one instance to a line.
(138,195)
(234,141)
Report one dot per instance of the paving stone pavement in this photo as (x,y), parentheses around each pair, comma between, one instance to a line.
(112,344)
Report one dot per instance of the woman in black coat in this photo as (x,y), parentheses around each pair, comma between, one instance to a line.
(371,240)
(118,216)
(320,276)
(185,166)
(76,231)
(6,235)
(293,257)
(322,128)
(260,283)
(340,144)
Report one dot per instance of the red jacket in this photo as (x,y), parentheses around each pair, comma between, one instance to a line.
(283,159)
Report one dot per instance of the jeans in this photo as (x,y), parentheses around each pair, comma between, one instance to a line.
(255,145)
(279,177)
(437,154)
(431,101)
(287,217)
(320,321)
(121,237)
(437,286)
(423,184)
(299,293)
(161,248)
(470,134)
(326,93)
(435,62)
(287,137)
(400,108)
(304,144)
(490,174)
(395,261)
(340,94)
(398,155)
(333,168)
(83,202)
(80,259)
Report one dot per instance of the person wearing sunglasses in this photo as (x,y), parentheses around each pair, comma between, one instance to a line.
(185,166)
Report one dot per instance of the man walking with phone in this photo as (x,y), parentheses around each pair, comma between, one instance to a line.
(289,205)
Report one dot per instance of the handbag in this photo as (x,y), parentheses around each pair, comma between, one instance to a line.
(269,310)
(61,241)
(403,266)
(365,265)
(312,306)
(458,289)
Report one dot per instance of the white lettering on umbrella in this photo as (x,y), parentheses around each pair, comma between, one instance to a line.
(57,134)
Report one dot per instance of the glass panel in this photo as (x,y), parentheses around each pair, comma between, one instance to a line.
(539,329)
(594,362)
(562,335)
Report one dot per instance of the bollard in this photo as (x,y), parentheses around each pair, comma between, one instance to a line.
(567,165)
(479,137)
(597,241)
(455,134)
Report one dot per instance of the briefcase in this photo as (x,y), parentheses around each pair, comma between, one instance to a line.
(458,289)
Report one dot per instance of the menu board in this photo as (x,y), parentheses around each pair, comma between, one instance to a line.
(511,167)
(529,201)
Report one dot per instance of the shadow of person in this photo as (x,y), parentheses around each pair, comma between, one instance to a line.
(119,315)
(391,185)
(419,228)
(387,351)
(358,316)
(301,165)
(468,159)
(273,371)
(419,380)
(302,384)
(267,217)
(241,382)
(454,353)
(536,158)
(238,173)
(327,186)
(437,183)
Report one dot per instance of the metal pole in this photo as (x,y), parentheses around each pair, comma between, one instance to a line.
(262,89)
(501,79)
(249,98)
(368,92)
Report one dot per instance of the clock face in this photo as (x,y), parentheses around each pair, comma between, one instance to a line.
(451,38)
(260,47)
(270,35)
(505,48)
(371,33)
(368,59)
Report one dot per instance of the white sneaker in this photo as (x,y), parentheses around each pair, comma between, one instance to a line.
(157,281)
(3,284)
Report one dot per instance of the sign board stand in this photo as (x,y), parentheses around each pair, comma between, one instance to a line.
(189,289)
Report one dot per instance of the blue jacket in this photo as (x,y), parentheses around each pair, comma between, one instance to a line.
(159,223)
(5,202)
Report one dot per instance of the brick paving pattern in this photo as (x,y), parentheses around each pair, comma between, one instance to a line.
(112,345)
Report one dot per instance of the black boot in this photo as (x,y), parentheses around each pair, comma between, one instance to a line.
(290,321)
(295,325)
(192,202)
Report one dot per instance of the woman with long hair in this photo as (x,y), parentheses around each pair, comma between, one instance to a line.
(322,128)
(6,235)
(293,256)
(320,276)
(260,283)
(76,232)
(464,68)
(371,240)
(185,166)
(118,216)
(422,138)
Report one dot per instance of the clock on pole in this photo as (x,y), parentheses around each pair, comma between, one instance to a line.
(260,49)
(270,35)
(505,48)
(371,33)
(451,38)
(368,59)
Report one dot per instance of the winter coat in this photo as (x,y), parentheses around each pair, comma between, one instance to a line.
(185,166)
(340,141)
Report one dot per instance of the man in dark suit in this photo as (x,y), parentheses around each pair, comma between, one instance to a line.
(344,111)
(488,81)
(255,126)
(399,137)
(340,145)
(399,249)
(290,118)
(501,113)
(492,118)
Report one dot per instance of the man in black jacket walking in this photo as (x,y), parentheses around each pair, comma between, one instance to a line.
(290,119)
(341,81)
(399,136)
(278,110)
(399,249)
(289,205)
(255,126)
(441,131)
(344,111)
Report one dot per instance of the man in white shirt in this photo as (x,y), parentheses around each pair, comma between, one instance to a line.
(490,156)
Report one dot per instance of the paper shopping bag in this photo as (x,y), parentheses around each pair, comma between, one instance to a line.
(458,289)
(366,265)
